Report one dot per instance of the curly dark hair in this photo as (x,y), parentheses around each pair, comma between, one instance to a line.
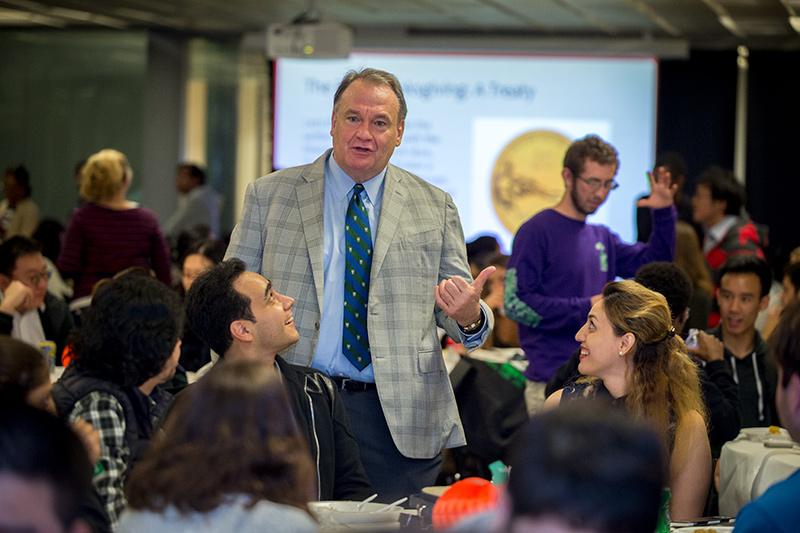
(212,304)
(231,433)
(129,331)
(669,280)
(590,148)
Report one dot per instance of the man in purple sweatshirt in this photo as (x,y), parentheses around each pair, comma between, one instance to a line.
(560,263)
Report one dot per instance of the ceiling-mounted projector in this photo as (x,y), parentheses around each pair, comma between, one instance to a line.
(311,40)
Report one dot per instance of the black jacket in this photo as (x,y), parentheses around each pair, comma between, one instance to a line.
(141,419)
(56,323)
(756,378)
(323,421)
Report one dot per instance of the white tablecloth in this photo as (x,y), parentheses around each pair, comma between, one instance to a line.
(748,467)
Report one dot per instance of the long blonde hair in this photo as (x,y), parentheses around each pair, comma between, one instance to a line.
(663,382)
(689,256)
(104,174)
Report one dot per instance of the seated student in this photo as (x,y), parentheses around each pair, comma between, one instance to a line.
(230,458)
(242,317)
(567,464)
(776,510)
(28,312)
(127,345)
(720,393)
(45,473)
(633,359)
(744,283)
(201,256)
(25,379)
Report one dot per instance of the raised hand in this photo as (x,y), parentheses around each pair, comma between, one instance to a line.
(662,189)
(461,300)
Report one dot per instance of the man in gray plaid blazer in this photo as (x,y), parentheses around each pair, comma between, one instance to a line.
(294,230)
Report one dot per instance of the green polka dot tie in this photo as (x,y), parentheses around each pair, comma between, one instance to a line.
(358,261)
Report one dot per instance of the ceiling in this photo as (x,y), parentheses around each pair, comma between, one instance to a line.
(698,23)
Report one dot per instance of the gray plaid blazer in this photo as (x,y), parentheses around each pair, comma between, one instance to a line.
(419,243)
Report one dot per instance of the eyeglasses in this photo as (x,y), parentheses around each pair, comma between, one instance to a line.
(594,183)
(36,277)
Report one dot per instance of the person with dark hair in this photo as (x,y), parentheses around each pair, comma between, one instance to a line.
(777,510)
(560,263)
(568,463)
(24,374)
(199,257)
(791,284)
(45,473)
(25,379)
(672,167)
(241,316)
(230,458)
(632,358)
(48,234)
(28,312)
(480,250)
(506,332)
(198,203)
(717,206)
(128,344)
(110,233)
(376,257)
(744,283)
(19,215)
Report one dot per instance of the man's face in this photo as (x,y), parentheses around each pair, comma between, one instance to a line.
(366,129)
(184,181)
(705,210)
(739,299)
(787,401)
(273,328)
(31,270)
(589,190)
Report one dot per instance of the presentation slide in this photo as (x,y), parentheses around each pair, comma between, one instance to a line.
(491,130)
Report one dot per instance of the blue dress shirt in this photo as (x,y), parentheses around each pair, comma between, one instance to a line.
(328,356)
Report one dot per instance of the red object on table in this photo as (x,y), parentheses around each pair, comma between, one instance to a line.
(464,498)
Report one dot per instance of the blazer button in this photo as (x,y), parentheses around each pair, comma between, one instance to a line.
(316,325)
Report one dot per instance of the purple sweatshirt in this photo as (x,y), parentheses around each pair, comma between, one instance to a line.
(557,264)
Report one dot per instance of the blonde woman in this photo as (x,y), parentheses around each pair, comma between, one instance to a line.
(110,233)
(631,357)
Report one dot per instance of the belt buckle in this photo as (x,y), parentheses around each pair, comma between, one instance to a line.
(343,385)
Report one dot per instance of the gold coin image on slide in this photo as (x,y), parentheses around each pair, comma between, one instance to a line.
(526,177)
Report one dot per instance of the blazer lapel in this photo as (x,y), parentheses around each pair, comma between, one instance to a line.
(391,211)
(310,200)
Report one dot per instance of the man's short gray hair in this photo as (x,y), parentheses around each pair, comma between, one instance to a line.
(377,77)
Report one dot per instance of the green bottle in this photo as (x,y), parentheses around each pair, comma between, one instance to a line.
(663,513)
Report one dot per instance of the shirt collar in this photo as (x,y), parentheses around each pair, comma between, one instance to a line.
(718,230)
(341,184)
